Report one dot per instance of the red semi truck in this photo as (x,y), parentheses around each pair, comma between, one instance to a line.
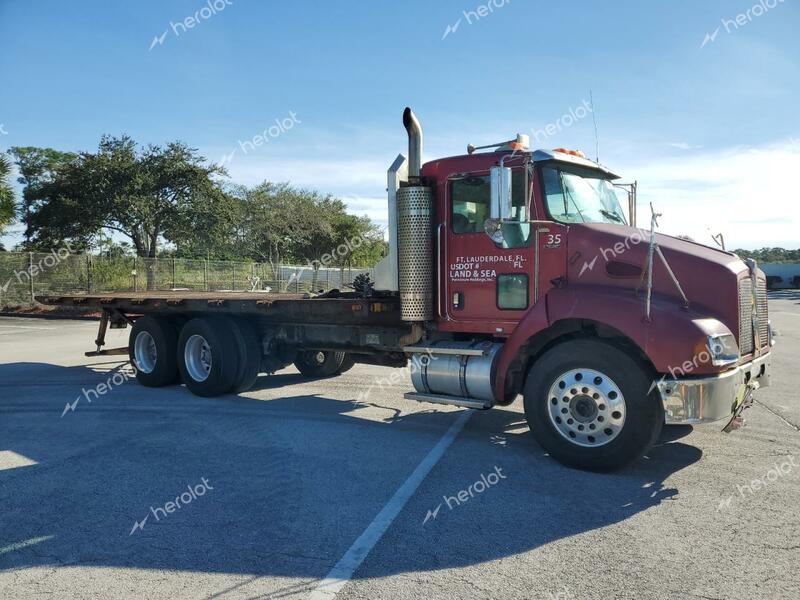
(510,272)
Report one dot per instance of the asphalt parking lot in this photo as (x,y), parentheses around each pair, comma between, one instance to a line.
(160,494)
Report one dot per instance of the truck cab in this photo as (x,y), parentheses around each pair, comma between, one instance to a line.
(542,285)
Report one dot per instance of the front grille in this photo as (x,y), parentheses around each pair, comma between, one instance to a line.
(745,316)
(763,312)
(746,341)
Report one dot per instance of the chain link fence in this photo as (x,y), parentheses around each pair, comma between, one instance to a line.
(24,275)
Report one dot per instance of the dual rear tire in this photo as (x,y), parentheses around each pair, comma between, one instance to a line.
(208,356)
(153,351)
(212,356)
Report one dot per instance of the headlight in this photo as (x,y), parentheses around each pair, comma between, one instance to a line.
(723,349)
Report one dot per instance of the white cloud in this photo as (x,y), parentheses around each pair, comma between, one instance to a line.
(683,146)
(748,194)
(312,171)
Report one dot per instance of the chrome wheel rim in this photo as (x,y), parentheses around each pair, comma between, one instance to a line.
(145,354)
(586,407)
(315,357)
(197,358)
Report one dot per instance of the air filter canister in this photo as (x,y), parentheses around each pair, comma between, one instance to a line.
(415,256)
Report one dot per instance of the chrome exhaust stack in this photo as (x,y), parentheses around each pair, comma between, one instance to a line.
(415,232)
(414,129)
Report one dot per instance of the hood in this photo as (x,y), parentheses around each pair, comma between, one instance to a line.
(614,255)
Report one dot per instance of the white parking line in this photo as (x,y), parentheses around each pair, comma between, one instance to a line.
(352,559)
(11,460)
(25,544)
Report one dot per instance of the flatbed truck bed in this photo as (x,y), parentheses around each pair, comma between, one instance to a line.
(285,325)
(342,309)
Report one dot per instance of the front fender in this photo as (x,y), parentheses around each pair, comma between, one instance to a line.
(671,339)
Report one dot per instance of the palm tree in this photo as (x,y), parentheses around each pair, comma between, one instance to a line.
(7,205)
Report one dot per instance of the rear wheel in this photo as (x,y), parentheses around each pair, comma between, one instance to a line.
(589,405)
(249,348)
(152,348)
(347,363)
(208,356)
(319,363)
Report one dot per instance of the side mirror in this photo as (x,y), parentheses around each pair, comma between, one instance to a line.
(500,203)
(630,190)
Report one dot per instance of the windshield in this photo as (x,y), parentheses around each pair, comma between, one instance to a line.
(581,196)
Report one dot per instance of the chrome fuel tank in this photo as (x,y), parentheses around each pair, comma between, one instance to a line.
(461,369)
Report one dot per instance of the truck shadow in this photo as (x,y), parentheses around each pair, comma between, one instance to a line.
(292,481)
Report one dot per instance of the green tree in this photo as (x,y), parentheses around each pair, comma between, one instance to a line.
(770,255)
(282,224)
(279,223)
(153,195)
(7,204)
(358,241)
(36,167)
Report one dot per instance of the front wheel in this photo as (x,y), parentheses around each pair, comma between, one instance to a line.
(588,404)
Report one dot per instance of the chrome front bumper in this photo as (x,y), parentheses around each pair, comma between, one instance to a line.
(694,400)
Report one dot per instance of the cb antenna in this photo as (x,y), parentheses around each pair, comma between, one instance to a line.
(596,136)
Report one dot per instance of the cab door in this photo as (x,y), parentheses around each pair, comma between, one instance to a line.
(488,285)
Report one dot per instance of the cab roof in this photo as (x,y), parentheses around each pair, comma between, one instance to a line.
(538,156)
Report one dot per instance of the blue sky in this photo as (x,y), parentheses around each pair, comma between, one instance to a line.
(711,132)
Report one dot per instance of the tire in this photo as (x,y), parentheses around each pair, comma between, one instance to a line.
(347,364)
(152,350)
(318,363)
(249,350)
(604,416)
(208,356)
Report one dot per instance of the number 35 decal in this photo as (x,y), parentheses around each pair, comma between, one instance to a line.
(553,240)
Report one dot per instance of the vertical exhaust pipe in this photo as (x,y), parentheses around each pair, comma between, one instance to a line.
(415,233)
(414,129)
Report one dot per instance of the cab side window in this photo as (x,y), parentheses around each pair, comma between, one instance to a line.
(470,201)
(554,192)
(470,204)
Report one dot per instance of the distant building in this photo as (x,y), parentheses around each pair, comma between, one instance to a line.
(789,274)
